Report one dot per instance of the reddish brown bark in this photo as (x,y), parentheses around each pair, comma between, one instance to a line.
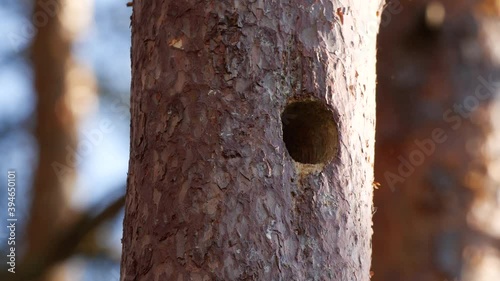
(213,194)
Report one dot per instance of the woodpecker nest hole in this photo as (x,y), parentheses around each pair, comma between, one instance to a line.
(309,132)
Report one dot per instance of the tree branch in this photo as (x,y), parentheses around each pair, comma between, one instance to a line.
(64,245)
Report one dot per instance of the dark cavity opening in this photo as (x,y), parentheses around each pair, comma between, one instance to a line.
(309,132)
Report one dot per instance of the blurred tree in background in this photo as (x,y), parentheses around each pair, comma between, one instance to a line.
(64,90)
(67,134)
(437,143)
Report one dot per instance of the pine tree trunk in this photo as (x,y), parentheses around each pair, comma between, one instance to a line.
(252,140)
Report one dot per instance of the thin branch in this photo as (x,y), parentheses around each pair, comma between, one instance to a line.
(64,245)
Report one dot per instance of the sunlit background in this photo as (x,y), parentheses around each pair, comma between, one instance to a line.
(101,48)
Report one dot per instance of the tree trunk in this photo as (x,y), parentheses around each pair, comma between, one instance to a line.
(433,122)
(55,130)
(252,140)
(63,89)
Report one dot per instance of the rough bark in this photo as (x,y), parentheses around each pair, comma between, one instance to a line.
(433,124)
(213,193)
